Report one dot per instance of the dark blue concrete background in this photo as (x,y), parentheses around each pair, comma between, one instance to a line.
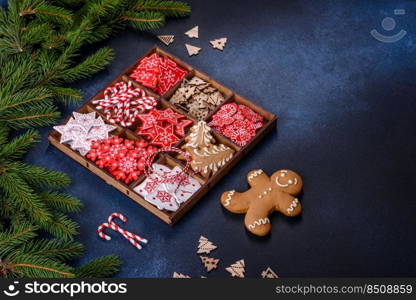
(346,107)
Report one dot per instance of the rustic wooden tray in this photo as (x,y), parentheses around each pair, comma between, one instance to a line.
(171,161)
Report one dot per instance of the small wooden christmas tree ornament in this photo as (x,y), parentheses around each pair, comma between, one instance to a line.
(207,157)
(210,263)
(219,43)
(268,273)
(192,50)
(180,275)
(237,269)
(192,33)
(205,246)
(166,39)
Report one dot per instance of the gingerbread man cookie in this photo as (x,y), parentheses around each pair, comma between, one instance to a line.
(267,194)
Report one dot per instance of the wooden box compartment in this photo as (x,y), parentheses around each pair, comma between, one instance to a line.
(226,92)
(167,159)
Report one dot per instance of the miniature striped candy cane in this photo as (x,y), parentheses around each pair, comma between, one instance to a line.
(131,237)
(124,219)
(111,226)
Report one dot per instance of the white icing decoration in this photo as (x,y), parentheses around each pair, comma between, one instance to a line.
(265,192)
(289,182)
(259,222)
(228,199)
(206,152)
(292,206)
(200,135)
(255,174)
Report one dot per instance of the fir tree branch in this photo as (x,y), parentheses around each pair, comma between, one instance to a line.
(60,201)
(46,12)
(19,145)
(98,268)
(4,133)
(92,64)
(34,266)
(60,226)
(65,95)
(14,237)
(53,249)
(144,20)
(23,197)
(15,73)
(101,8)
(24,97)
(39,177)
(167,8)
(33,116)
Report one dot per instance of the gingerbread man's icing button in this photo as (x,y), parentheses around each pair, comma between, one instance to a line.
(267,194)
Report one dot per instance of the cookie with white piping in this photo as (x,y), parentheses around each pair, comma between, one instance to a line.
(266,195)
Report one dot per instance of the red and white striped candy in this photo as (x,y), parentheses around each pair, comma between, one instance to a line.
(131,237)
(122,103)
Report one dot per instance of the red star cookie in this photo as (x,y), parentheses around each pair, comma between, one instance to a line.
(165,137)
(170,116)
(180,127)
(150,119)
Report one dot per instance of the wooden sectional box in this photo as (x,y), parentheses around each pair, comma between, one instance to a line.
(167,159)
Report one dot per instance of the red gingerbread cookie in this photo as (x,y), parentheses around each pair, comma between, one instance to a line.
(267,194)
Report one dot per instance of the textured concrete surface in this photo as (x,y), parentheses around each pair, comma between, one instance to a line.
(346,107)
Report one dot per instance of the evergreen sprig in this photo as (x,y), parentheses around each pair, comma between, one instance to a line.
(100,267)
(27,205)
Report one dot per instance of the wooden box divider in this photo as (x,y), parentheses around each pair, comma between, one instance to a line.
(168,159)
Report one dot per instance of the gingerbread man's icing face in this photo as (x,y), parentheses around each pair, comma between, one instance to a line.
(267,194)
(287,181)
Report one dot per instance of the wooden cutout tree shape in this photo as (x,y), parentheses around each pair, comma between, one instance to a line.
(196,81)
(210,263)
(219,43)
(192,50)
(199,136)
(166,39)
(210,159)
(188,91)
(237,269)
(205,246)
(180,275)
(269,273)
(207,158)
(193,32)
